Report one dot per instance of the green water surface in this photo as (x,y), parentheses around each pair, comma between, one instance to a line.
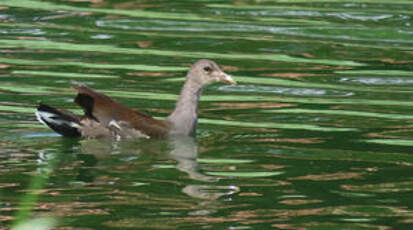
(317,134)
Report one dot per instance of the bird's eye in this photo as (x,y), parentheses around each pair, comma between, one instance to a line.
(207,69)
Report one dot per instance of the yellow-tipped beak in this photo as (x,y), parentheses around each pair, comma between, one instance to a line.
(228,79)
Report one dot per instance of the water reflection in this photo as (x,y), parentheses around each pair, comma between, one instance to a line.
(93,153)
(92,169)
(185,151)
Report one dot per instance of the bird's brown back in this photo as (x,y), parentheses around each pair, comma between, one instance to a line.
(103,109)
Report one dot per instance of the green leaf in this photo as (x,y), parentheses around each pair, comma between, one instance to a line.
(245,174)
(224,161)
(42,223)
(52,45)
(61,74)
(17,109)
(49,6)
(391,142)
(163,166)
(135,67)
(377,72)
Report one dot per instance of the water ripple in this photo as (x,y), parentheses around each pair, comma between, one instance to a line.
(101,36)
(361,16)
(171,25)
(378,81)
(22,31)
(383,34)
(285,90)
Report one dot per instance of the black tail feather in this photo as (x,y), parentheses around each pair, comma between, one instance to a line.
(86,102)
(62,122)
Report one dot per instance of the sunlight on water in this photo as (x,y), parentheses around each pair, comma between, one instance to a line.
(378,81)
(283,90)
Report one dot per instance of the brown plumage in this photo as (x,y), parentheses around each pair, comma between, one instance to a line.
(105,117)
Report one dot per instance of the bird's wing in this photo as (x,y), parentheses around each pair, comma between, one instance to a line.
(103,109)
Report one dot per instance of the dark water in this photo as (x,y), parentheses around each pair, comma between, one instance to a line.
(316,135)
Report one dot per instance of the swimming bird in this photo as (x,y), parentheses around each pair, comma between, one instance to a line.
(105,117)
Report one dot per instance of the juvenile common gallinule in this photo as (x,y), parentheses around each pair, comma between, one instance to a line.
(104,117)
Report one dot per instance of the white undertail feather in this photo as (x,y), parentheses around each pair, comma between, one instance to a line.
(39,116)
(46,117)
(113,123)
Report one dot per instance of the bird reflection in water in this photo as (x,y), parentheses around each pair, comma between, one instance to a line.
(95,153)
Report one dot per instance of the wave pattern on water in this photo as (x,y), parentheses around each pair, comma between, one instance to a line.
(316,135)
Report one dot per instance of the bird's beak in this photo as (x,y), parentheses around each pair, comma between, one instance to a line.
(227,79)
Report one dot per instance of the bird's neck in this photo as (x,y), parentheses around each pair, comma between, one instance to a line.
(184,117)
